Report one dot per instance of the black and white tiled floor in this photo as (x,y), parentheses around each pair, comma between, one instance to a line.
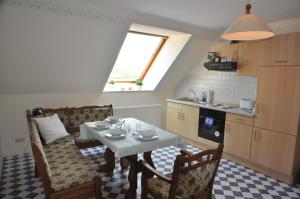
(232,180)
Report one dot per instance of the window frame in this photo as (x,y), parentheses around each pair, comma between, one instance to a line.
(153,57)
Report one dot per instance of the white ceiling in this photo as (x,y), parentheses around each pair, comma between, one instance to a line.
(213,14)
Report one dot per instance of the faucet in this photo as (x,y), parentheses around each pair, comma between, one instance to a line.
(195,99)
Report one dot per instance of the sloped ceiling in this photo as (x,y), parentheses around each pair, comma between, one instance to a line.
(70,46)
(212,14)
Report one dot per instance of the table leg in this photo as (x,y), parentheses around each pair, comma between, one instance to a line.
(109,166)
(132,177)
(124,163)
(146,175)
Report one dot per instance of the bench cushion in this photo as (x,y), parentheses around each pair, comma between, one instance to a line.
(81,115)
(67,164)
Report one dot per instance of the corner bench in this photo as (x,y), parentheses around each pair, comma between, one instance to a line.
(64,171)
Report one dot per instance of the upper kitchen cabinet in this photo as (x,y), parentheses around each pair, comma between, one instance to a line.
(225,50)
(281,50)
(248,58)
(278,99)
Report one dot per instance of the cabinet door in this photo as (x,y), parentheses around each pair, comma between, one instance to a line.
(225,50)
(281,50)
(189,121)
(248,58)
(173,118)
(278,99)
(273,150)
(237,139)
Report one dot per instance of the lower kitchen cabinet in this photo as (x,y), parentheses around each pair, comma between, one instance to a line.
(189,121)
(173,117)
(183,120)
(273,150)
(237,140)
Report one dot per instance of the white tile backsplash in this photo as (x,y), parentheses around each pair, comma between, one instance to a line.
(227,86)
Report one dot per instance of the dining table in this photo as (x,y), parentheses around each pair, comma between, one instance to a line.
(130,145)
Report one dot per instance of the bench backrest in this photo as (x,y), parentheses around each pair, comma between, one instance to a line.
(73,117)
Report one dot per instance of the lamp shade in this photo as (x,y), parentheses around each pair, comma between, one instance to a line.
(247,27)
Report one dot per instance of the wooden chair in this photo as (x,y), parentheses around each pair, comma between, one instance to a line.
(192,177)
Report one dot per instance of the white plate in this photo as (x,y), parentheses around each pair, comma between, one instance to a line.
(140,137)
(113,118)
(111,121)
(100,128)
(100,125)
(119,137)
(116,132)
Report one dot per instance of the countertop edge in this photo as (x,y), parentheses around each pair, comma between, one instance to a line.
(238,111)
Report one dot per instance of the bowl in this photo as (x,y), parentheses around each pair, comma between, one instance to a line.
(116,132)
(147,133)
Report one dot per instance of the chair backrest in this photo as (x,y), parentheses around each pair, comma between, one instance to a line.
(194,174)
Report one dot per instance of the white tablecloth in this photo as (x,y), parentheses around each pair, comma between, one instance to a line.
(130,145)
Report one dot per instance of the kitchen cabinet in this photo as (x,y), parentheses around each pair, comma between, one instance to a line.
(225,50)
(248,58)
(183,120)
(237,140)
(189,121)
(239,119)
(173,117)
(278,99)
(281,50)
(273,150)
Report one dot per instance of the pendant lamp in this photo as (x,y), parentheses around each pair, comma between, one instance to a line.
(247,27)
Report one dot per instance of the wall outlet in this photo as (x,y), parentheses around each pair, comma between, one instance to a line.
(19,140)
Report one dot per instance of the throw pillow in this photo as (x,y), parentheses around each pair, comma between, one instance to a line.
(51,128)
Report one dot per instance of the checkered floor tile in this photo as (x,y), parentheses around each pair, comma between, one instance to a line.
(232,180)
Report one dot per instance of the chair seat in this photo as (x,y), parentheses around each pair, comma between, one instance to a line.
(67,164)
(159,188)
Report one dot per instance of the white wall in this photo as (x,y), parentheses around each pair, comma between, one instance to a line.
(60,53)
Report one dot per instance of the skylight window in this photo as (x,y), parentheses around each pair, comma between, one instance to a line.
(145,57)
(136,56)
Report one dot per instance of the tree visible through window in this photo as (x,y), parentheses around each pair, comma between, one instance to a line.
(136,56)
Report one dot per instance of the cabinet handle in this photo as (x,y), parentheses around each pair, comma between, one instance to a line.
(240,119)
(182,116)
(178,115)
(281,61)
(254,137)
(227,127)
(257,107)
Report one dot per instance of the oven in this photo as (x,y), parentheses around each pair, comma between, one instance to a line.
(211,124)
